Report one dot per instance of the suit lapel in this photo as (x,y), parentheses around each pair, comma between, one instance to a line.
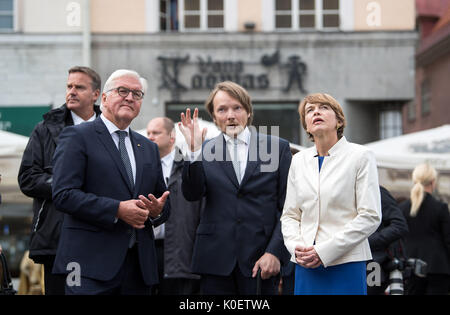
(177,164)
(108,142)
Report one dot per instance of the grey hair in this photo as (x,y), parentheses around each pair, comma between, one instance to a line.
(109,84)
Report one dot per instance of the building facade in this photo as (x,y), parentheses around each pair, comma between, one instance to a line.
(360,51)
(431,105)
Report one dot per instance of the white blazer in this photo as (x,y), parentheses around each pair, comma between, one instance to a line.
(336,209)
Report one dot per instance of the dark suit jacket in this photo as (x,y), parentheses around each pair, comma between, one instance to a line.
(240,222)
(89,181)
(429,234)
(181,227)
(393,227)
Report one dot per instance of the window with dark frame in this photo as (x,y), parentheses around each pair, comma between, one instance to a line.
(168,15)
(6,15)
(215,14)
(203,15)
(390,120)
(307,14)
(330,14)
(283,14)
(192,14)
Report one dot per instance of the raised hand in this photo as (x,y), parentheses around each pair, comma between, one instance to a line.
(190,129)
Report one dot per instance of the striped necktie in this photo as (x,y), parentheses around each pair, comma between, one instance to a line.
(126,162)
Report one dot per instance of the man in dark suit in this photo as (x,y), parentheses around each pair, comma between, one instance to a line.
(100,170)
(243,176)
(393,227)
(35,173)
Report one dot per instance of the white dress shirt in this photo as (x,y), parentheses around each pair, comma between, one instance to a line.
(242,147)
(243,141)
(112,131)
(335,210)
(78,120)
(166,163)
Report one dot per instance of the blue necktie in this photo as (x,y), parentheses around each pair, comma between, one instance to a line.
(126,162)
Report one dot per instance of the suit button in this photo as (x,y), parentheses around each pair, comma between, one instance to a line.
(240,195)
(238,221)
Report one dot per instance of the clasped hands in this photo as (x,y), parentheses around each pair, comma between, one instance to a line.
(307,257)
(136,212)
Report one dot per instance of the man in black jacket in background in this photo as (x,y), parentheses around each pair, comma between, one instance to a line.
(35,173)
(175,238)
(392,228)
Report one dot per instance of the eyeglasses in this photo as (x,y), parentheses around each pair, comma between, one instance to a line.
(124,92)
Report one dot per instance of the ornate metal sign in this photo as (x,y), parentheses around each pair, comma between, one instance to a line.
(212,71)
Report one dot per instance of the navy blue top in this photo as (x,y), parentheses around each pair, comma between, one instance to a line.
(320,161)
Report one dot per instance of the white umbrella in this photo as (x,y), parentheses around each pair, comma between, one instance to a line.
(12,144)
(407,151)
(398,156)
(11,150)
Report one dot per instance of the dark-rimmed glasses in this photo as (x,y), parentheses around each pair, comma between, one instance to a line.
(124,92)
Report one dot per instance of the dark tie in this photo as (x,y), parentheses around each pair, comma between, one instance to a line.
(126,162)
(167,181)
(124,155)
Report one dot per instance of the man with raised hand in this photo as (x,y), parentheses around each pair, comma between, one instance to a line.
(242,175)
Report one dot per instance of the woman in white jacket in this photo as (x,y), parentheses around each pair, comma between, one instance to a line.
(332,204)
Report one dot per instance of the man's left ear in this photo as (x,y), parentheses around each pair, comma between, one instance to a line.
(103,97)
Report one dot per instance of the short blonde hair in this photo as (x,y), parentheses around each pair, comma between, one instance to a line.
(323,98)
(423,175)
